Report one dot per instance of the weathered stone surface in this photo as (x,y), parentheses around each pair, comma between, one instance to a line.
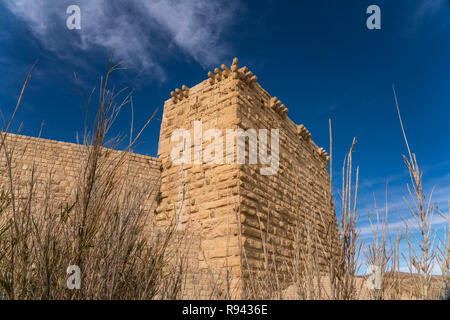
(222,210)
(229,195)
(62,163)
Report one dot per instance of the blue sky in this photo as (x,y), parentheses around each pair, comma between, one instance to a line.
(318,57)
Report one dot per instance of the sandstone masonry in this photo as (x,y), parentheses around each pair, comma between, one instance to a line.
(230,205)
(232,216)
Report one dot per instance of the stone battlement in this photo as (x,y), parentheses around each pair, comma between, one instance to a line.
(230,204)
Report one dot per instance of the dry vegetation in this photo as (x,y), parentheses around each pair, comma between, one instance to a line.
(101,231)
(112,239)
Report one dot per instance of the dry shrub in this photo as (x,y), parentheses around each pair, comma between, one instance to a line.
(422,251)
(425,248)
(443,258)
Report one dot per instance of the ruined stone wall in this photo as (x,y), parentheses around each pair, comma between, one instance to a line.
(62,162)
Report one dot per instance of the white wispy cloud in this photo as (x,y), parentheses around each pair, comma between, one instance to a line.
(400,225)
(429,7)
(438,10)
(368,183)
(143,32)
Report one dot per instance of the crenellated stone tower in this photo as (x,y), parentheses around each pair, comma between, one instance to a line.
(237,218)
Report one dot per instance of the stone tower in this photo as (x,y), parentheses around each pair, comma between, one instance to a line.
(237,215)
